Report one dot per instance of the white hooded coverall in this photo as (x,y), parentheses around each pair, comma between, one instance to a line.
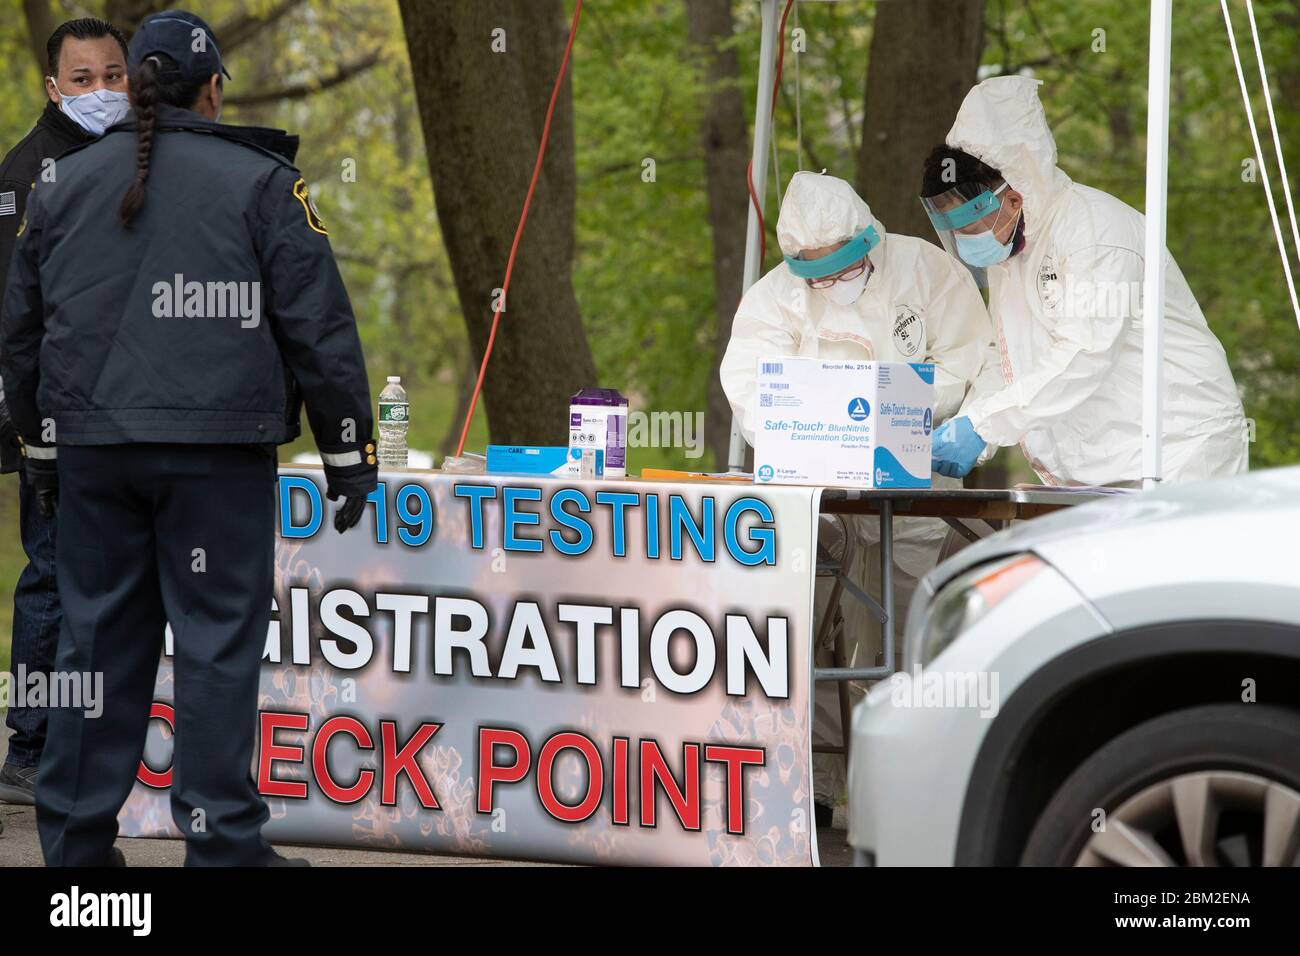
(919,305)
(1067,310)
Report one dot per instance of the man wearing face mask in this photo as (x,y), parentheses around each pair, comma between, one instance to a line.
(1065,271)
(86,86)
(848,289)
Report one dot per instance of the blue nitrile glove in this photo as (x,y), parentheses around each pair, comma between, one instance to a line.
(956,448)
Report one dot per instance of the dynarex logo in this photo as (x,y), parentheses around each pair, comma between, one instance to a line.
(766,473)
(859,409)
(927,421)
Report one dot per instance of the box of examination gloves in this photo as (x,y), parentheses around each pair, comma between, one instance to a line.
(552,461)
(831,422)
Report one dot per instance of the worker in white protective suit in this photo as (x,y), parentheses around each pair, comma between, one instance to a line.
(1065,269)
(849,290)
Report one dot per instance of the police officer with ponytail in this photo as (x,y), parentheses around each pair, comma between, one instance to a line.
(171,301)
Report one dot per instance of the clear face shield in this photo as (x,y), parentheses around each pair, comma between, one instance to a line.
(970,220)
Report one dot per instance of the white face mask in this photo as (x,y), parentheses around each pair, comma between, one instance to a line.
(95,111)
(847,291)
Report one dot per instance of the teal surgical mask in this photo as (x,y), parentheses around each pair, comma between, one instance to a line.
(982,249)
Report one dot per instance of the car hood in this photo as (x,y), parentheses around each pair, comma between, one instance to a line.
(1275,492)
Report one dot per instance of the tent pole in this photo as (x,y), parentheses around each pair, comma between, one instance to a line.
(1153,279)
(762,145)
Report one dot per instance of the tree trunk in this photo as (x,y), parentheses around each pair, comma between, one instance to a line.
(405,279)
(40,24)
(725,140)
(482,113)
(923,58)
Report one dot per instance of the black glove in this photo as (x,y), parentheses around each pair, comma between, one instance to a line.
(43,475)
(352,482)
(10,449)
(349,512)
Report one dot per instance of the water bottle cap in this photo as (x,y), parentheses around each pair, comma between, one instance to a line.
(395,379)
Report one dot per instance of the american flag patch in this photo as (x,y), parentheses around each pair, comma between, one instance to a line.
(8,204)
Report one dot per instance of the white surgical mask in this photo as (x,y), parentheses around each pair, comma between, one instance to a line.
(95,111)
(847,291)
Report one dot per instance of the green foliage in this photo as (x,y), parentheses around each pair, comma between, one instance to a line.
(363,157)
(20,81)
(643,265)
(643,271)
(644,254)
(1218,222)
(642,274)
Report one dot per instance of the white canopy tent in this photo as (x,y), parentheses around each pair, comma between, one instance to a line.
(1153,279)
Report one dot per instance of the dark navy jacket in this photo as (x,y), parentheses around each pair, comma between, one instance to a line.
(208,320)
(52,136)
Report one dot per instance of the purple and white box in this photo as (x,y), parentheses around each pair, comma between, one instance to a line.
(598,419)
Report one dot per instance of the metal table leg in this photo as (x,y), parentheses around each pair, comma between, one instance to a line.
(840,660)
(883,610)
(887,581)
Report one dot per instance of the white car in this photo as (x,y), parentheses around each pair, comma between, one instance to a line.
(1114,685)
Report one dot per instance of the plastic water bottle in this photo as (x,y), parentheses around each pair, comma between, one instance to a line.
(394,416)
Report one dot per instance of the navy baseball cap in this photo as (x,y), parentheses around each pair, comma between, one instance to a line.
(185,38)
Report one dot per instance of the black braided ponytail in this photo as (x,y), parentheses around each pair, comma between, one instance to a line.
(154,81)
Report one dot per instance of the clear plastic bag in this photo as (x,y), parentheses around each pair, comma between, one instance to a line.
(467,464)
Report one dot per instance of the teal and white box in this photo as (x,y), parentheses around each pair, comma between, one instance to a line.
(556,461)
(833,422)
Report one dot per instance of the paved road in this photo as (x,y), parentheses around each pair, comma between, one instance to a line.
(19,847)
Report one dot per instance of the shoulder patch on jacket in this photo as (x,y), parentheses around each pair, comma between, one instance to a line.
(309,206)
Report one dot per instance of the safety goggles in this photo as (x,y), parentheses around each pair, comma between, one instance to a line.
(846,262)
(847,275)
